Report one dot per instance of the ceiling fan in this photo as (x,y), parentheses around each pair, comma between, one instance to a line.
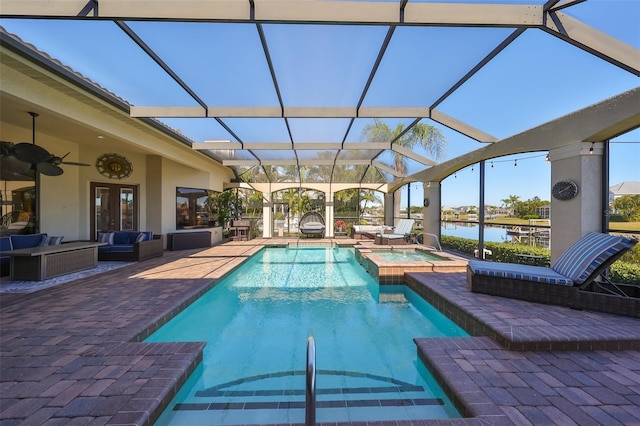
(23,159)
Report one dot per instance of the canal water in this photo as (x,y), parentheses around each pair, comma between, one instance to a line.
(491,234)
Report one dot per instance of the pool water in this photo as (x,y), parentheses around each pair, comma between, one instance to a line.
(256,322)
(400,255)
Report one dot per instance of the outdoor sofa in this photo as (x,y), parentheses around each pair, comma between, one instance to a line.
(570,281)
(131,246)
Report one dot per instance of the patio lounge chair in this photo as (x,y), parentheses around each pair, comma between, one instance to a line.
(400,234)
(570,281)
(312,224)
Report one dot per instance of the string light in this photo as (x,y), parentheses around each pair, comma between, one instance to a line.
(546,158)
(492,164)
(515,163)
(591,149)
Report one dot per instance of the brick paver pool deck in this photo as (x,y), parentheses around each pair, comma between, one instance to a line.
(71,354)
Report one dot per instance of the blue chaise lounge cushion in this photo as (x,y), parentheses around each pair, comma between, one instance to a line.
(588,253)
(574,267)
(519,272)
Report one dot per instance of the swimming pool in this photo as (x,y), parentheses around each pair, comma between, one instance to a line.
(256,323)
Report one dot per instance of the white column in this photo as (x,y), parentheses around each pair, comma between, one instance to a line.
(431,207)
(267,214)
(389,218)
(328,214)
(571,219)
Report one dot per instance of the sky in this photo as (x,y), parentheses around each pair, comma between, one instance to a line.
(537,78)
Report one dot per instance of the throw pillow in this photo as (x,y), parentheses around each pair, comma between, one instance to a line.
(45,241)
(54,241)
(140,237)
(105,237)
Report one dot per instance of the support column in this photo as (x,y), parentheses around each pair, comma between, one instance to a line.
(267,214)
(389,219)
(328,214)
(573,218)
(431,207)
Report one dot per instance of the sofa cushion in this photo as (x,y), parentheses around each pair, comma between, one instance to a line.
(120,237)
(26,241)
(133,236)
(313,225)
(122,248)
(5,244)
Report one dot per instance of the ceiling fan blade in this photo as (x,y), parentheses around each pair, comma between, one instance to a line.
(12,169)
(31,153)
(73,163)
(49,169)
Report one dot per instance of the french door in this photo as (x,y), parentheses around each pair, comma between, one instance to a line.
(113,208)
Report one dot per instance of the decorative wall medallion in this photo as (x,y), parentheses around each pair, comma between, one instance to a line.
(114,166)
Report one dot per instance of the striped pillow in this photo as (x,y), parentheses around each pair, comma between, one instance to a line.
(587,254)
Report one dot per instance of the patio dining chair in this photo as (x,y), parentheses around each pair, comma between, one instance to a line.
(569,281)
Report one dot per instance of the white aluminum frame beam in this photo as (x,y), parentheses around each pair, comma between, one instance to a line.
(337,12)
(277,112)
(296,11)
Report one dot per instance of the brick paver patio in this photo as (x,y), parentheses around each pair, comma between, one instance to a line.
(71,354)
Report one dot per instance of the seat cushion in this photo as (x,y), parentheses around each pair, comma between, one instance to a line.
(538,274)
(122,248)
(587,254)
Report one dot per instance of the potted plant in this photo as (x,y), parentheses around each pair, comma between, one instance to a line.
(340,225)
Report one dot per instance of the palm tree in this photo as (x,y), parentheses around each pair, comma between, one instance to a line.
(511,203)
(420,135)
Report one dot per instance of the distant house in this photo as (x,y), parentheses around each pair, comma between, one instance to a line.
(622,189)
(544,212)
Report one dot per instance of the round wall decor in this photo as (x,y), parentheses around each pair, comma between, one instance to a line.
(114,166)
(564,190)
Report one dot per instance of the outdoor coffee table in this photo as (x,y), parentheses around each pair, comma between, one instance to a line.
(41,263)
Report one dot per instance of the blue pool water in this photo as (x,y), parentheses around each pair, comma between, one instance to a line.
(256,323)
(408,255)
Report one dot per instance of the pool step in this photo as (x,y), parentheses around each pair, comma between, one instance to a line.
(242,406)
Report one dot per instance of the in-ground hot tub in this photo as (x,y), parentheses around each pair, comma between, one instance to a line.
(387,265)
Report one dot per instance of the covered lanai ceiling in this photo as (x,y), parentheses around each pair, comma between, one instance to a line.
(283,90)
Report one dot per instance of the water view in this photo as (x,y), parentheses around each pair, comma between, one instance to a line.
(540,237)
